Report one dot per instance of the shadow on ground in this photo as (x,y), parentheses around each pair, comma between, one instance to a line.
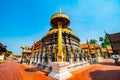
(107,63)
(35,69)
(105,75)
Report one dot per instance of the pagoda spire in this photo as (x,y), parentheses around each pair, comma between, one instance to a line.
(60,9)
(34,41)
(87,41)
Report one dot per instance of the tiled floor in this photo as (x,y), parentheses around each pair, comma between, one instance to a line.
(106,70)
(11,70)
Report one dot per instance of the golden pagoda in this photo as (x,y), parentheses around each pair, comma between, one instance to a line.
(60,37)
(58,49)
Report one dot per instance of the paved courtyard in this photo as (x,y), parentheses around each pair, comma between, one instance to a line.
(106,70)
(11,70)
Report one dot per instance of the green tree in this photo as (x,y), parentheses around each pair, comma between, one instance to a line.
(8,53)
(104,42)
(27,48)
(101,39)
(93,41)
(22,47)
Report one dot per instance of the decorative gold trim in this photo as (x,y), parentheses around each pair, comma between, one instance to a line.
(58,15)
(63,30)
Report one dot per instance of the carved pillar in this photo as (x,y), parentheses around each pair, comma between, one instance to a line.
(82,55)
(38,62)
(71,58)
(72,55)
(86,57)
(64,53)
(32,59)
(46,59)
(35,58)
(78,56)
(49,57)
(43,56)
(75,57)
(55,53)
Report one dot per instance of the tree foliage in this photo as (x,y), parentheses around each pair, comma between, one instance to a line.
(22,47)
(25,47)
(104,42)
(9,53)
(93,41)
(101,39)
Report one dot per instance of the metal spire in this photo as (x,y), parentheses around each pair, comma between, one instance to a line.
(106,34)
(60,6)
(34,41)
(87,41)
(60,9)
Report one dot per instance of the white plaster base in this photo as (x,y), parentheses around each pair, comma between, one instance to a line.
(60,71)
(2,57)
(99,59)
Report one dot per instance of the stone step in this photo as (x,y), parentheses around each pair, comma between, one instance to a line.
(72,68)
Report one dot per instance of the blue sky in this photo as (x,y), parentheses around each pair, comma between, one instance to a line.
(23,21)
